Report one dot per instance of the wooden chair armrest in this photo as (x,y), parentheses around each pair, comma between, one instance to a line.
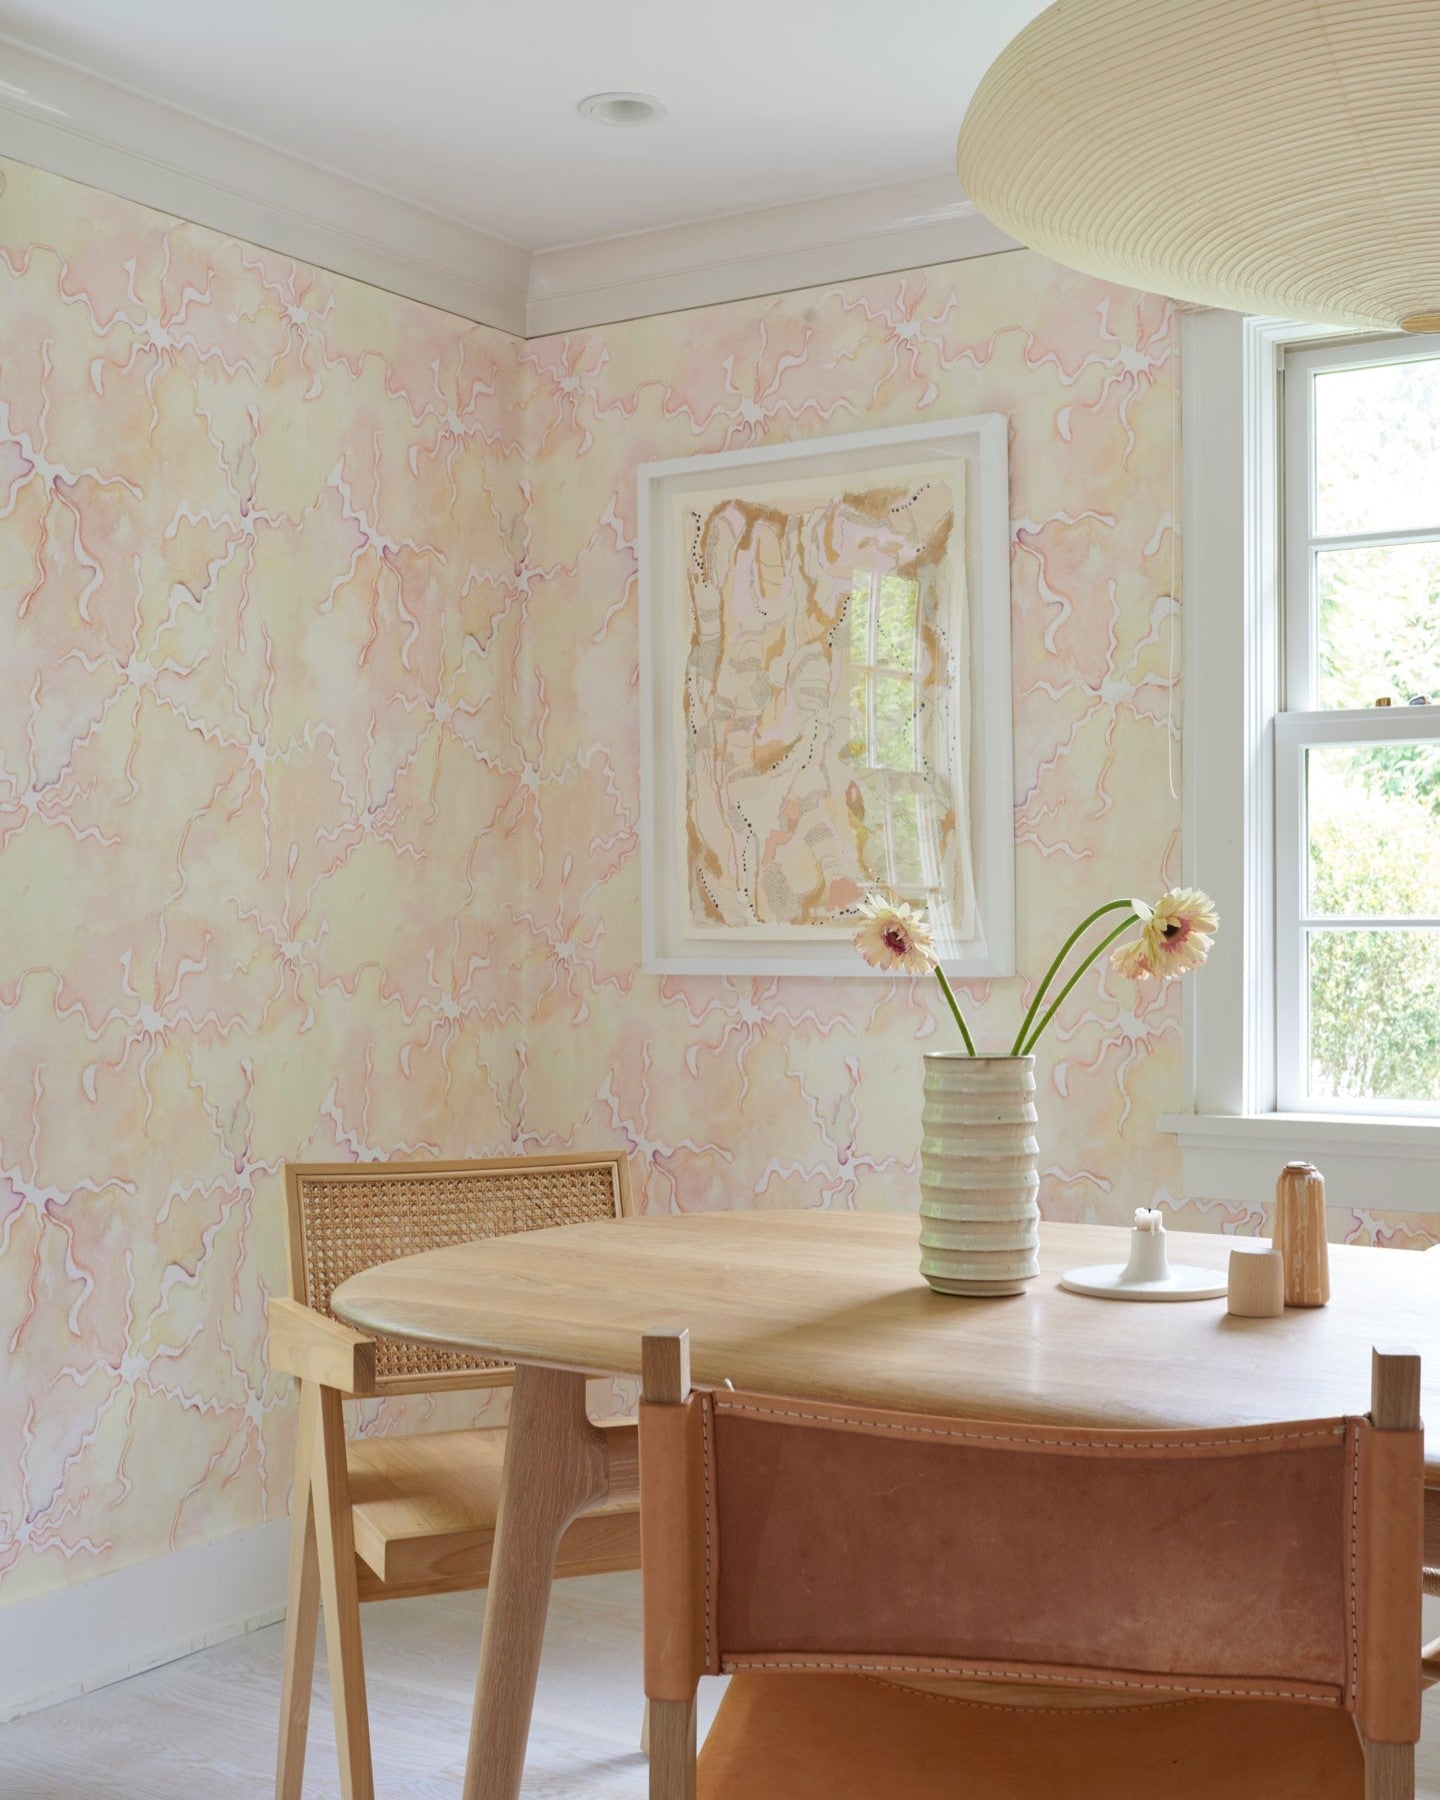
(307,1345)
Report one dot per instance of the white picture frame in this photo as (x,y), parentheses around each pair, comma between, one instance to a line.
(672,943)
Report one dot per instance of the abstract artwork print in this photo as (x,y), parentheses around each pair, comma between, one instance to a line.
(823,666)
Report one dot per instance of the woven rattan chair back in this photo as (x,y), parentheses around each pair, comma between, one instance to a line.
(342,1218)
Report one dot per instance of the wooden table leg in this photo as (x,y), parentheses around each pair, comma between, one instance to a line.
(555,1466)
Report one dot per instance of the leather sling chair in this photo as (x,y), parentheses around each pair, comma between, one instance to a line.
(1232,1614)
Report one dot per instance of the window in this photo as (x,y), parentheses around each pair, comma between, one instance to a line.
(1357,733)
(1310,478)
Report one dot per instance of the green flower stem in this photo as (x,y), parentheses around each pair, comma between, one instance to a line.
(949,993)
(1088,963)
(1017,1048)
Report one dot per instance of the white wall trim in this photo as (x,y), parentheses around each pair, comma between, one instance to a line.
(1370,1165)
(770,250)
(1230,630)
(80,125)
(77,1638)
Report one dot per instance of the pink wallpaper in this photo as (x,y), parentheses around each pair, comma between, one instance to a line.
(319,792)
(801,1092)
(260,532)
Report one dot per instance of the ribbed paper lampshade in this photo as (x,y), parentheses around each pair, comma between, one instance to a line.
(1277,156)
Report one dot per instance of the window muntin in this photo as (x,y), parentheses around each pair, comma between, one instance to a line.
(1357,805)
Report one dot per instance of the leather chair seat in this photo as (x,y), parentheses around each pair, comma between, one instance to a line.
(855,1737)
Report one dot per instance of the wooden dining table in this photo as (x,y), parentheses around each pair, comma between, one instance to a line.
(831,1306)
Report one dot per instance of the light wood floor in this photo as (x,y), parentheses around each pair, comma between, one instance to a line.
(204,1728)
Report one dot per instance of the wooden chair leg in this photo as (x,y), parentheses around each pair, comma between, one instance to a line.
(340,1599)
(665,1366)
(645,1731)
(672,1750)
(1394,1406)
(302,1610)
(1389,1772)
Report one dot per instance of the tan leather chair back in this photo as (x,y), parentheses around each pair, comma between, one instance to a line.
(1281,1560)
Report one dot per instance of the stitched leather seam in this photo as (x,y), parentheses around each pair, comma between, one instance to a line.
(705,1412)
(1177,1684)
(1049,1443)
(1354,1564)
(1031,1712)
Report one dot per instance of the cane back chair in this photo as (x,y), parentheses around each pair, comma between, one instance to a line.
(1220,1609)
(391,1517)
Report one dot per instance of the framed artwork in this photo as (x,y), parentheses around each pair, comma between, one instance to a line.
(825,677)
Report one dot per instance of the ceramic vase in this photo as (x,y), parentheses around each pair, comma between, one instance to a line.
(979,1217)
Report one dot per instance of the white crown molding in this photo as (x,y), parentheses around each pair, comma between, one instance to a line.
(766,251)
(80,125)
(74,1639)
(76,124)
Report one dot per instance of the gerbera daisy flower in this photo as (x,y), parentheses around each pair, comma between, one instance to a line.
(895,938)
(1175,936)
(1132,961)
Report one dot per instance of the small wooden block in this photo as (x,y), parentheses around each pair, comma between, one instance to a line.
(665,1366)
(1395,1388)
(1257,1282)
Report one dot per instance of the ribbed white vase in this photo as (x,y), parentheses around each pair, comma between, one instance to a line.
(979,1217)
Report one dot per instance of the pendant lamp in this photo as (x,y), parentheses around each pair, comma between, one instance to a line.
(1275,156)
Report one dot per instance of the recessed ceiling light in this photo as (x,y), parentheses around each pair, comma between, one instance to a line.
(622,109)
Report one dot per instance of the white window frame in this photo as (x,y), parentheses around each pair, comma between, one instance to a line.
(1234,1131)
(1301,724)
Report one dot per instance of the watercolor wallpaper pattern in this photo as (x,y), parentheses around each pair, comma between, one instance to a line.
(319,789)
(259,533)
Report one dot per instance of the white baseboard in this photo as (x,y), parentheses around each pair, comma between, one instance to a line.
(78,1638)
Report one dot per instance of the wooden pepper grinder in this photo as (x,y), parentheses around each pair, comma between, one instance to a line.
(1300,1234)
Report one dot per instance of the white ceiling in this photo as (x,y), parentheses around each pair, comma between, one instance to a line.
(467,108)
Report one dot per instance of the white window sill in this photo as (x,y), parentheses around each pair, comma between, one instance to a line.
(1377,1165)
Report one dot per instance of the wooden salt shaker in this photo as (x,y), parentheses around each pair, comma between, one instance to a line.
(1257,1282)
(1300,1234)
